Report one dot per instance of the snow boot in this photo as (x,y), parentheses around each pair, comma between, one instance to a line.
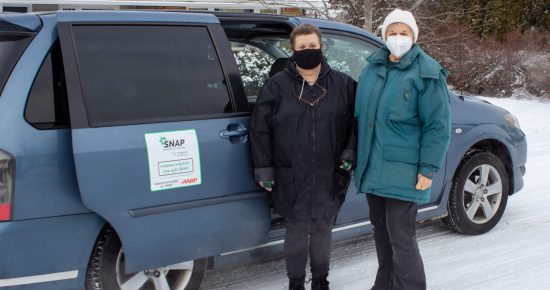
(296,283)
(320,283)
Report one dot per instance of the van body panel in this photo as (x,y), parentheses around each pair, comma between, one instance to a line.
(45,175)
(51,245)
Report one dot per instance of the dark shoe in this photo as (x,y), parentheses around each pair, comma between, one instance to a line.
(296,284)
(320,283)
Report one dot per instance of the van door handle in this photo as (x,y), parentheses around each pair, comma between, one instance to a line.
(236,133)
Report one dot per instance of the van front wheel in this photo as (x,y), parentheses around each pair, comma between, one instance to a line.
(479,194)
(106,270)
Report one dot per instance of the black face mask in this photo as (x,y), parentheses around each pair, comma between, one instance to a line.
(308,58)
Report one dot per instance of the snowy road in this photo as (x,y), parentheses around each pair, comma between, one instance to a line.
(514,255)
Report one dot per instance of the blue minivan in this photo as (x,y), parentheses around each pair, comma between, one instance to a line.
(124,161)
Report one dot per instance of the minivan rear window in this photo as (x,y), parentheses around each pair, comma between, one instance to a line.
(12,46)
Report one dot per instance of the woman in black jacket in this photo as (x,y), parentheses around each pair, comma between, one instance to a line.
(303,143)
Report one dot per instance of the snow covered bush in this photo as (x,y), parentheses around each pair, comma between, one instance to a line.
(254,65)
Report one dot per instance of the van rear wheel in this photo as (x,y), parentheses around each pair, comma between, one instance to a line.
(106,270)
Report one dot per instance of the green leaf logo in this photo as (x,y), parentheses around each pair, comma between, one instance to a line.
(162,140)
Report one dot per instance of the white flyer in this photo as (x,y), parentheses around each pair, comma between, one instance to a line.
(174,159)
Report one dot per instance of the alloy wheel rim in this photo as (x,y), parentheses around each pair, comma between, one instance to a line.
(482,194)
(173,277)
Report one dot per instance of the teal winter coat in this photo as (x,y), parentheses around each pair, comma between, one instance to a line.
(404,124)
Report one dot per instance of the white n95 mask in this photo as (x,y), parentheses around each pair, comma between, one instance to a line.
(399,45)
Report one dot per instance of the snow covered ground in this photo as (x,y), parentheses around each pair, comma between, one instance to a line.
(514,255)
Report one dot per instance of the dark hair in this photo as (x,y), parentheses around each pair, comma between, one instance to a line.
(304,29)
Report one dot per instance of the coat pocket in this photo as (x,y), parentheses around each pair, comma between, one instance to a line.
(403,107)
(401,154)
(400,167)
(284,190)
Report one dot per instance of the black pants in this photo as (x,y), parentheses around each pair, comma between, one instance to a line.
(399,262)
(313,237)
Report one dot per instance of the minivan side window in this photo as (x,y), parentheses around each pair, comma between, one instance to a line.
(254,65)
(47,105)
(346,54)
(144,74)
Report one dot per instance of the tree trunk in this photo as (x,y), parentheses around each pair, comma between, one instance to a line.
(368,15)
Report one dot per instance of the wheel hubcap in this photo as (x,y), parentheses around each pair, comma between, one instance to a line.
(482,194)
(173,277)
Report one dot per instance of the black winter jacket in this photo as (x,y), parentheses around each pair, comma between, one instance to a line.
(300,146)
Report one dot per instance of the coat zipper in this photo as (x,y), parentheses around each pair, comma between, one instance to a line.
(314,169)
(374,125)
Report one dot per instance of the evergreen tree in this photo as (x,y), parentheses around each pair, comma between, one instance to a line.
(499,17)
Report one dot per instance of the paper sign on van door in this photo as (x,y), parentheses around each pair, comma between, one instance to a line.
(174,159)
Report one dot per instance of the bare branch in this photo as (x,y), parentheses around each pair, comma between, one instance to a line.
(416,4)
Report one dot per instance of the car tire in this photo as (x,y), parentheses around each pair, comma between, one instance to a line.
(478,194)
(106,269)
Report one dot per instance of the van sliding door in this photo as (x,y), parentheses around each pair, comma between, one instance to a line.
(159,152)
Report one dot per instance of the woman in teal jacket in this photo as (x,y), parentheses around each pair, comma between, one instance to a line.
(402,107)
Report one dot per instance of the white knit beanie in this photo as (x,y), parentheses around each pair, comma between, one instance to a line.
(401,16)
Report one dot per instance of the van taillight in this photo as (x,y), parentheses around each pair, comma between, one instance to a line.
(7,170)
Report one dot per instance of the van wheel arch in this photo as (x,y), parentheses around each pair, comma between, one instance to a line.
(500,150)
(107,258)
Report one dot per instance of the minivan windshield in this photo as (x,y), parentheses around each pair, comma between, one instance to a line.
(12,46)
